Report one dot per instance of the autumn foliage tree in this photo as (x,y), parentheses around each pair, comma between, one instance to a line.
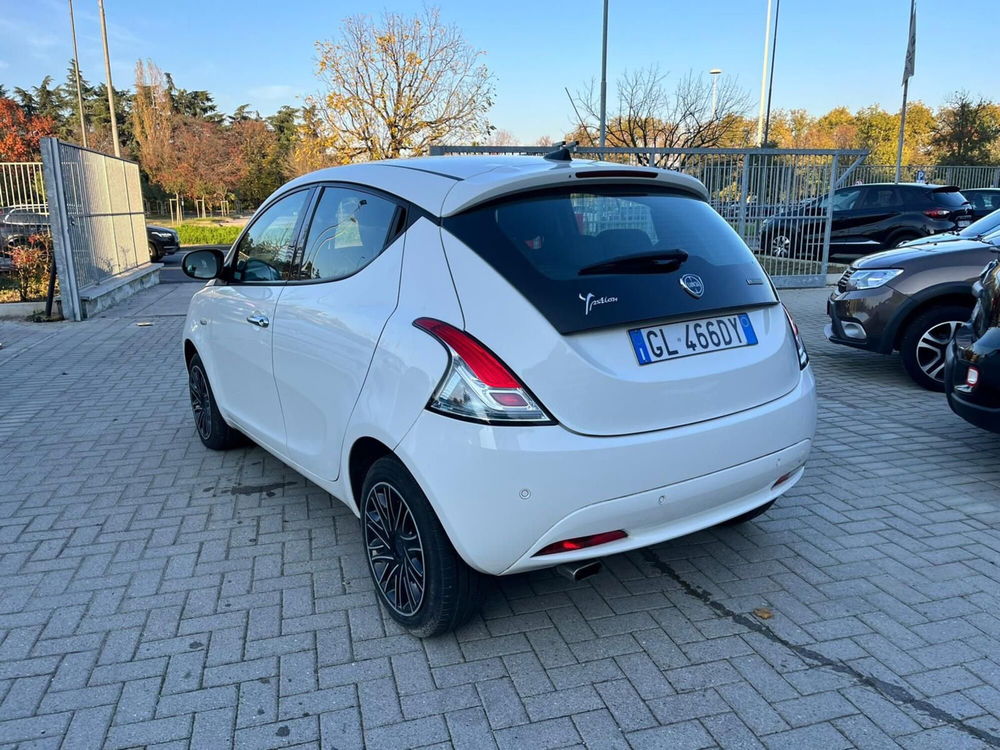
(396,85)
(20,132)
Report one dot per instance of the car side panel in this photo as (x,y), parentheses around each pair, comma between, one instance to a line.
(408,364)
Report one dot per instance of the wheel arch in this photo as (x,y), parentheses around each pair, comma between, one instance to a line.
(365,451)
(189,351)
(949,296)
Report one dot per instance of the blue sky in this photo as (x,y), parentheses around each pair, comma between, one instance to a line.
(829,52)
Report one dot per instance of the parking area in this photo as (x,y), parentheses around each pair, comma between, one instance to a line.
(153,593)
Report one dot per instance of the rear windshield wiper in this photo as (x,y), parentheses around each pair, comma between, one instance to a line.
(659,261)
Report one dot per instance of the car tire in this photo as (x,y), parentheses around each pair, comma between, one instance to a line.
(154,254)
(418,576)
(215,434)
(749,515)
(925,340)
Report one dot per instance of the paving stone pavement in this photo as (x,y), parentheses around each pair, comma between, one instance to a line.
(153,593)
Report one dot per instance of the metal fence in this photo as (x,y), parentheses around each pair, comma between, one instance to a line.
(22,186)
(966,178)
(767,195)
(98,228)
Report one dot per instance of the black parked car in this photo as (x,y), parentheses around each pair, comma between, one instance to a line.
(909,300)
(983,200)
(866,219)
(18,223)
(972,370)
(162,241)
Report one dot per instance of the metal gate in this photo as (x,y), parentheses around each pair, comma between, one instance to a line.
(778,200)
(98,227)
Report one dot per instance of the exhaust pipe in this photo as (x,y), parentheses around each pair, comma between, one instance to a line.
(579,571)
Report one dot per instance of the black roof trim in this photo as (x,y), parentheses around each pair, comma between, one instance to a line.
(426,171)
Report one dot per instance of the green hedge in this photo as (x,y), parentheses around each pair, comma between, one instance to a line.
(200,234)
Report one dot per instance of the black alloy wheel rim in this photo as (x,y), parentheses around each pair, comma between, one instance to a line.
(201,402)
(395,551)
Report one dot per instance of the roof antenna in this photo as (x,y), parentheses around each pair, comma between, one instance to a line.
(564,151)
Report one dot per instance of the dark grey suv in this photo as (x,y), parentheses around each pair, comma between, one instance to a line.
(910,300)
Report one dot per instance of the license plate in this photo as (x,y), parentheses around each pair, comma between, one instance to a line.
(964,222)
(676,340)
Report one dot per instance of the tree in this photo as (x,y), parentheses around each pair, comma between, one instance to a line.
(645,113)
(263,165)
(20,132)
(311,149)
(208,162)
(153,122)
(967,131)
(395,86)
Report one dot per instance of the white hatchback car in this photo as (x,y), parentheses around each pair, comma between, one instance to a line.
(501,364)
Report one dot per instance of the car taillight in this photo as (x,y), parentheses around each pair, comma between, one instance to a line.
(800,347)
(581,542)
(477,385)
(937,213)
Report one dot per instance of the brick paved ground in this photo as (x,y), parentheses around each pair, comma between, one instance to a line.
(154,593)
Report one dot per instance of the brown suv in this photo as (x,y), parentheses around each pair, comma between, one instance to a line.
(910,300)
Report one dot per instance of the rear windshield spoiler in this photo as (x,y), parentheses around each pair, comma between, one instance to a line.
(946,189)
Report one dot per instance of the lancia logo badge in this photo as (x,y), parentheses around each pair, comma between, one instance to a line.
(693,285)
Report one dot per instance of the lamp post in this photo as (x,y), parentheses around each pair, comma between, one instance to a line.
(763,77)
(111,90)
(604,77)
(76,66)
(715,73)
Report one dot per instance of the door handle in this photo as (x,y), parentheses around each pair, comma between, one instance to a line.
(259,319)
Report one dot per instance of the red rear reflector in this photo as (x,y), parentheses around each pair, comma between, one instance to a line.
(509,399)
(480,360)
(581,542)
(937,213)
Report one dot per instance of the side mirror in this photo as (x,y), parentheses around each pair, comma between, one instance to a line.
(204,264)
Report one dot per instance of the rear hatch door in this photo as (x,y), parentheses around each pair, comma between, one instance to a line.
(623,309)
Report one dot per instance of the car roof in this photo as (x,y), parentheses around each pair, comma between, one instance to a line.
(447,185)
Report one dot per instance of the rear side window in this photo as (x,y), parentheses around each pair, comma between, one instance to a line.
(882,197)
(558,246)
(348,231)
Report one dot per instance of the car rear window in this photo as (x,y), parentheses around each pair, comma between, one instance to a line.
(540,242)
(947,198)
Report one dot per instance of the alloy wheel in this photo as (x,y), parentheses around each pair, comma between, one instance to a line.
(201,402)
(395,551)
(781,246)
(932,346)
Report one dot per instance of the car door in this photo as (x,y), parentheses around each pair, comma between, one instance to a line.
(240,329)
(330,317)
(846,217)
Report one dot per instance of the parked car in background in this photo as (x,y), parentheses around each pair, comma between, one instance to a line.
(909,300)
(17,223)
(162,241)
(972,370)
(502,364)
(980,229)
(866,219)
(984,200)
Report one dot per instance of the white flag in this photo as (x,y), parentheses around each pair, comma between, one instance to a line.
(911,47)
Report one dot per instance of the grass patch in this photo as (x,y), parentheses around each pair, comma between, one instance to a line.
(207,234)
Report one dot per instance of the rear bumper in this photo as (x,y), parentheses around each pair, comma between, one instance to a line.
(503,493)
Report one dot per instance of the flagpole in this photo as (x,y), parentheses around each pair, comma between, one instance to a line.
(902,127)
(911,48)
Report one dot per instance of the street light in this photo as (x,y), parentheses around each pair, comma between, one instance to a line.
(715,73)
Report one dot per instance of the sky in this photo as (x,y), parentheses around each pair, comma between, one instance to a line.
(829,52)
